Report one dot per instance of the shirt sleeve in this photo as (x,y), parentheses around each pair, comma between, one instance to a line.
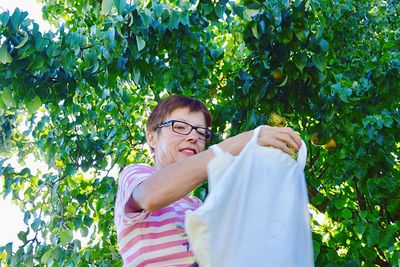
(129,178)
(196,201)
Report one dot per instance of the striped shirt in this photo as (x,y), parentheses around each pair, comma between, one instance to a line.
(151,238)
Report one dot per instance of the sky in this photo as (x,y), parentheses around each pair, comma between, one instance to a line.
(33,7)
(12,218)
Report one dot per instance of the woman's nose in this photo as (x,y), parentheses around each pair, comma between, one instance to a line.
(193,136)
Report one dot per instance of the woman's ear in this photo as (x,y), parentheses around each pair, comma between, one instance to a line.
(151,137)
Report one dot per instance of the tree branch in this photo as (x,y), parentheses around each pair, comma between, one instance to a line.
(59,179)
(312,192)
(360,197)
(322,170)
(379,259)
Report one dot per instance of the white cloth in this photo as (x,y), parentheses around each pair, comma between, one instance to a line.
(256,213)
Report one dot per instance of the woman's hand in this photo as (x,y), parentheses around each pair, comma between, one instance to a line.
(278,137)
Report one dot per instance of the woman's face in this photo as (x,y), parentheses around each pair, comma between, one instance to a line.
(169,146)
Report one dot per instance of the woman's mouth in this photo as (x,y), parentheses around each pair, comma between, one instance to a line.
(188,151)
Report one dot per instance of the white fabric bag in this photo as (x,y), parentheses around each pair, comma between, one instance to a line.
(256,213)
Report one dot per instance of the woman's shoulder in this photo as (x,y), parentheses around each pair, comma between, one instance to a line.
(138,169)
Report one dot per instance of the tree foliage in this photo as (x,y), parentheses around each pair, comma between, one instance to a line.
(77,99)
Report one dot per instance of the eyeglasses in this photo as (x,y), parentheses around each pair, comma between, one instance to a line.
(184,128)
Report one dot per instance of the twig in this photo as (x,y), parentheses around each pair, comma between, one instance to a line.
(86,47)
(34,239)
(126,126)
(323,169)
(316,156)
(59,179)
(62,205)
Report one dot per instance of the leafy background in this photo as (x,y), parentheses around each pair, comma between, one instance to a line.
(77,99)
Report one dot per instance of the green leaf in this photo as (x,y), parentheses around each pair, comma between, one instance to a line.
(287,36)
(145,17)
(300,60)
(46,256)
(120,5)
(38,62)
(317,63)
(368,252)
(301,34)
(238,10)
(56,254)
(2,105)
(255,30)
(206,8)
(373,235)
(283,83)
(77,221)
(15,18)
(220,11)
(66,236)
(174,20)
(346,213)
(345,94)
(33,105)
(35,225)
(71,210)
(157,9)
(106,6)
(70,169)
(316,248)
(23,42)
(118,29)
(320,31)
(360,228)
(185,19)
(324,45)
(140,42)
(87,221)
(4,17)
(216,53)
(5,57)
(22,236)
(7,98)
(136,76)
(250,13)
(339,203)
(84,231)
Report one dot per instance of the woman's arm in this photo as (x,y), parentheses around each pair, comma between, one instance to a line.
(175,181)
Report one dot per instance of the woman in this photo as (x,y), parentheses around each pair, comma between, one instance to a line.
(152,200)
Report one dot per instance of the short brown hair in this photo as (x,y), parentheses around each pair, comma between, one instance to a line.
(168,105)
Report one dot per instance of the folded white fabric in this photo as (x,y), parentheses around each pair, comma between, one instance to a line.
(256,213)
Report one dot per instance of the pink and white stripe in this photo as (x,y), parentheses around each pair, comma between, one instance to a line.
(151,238)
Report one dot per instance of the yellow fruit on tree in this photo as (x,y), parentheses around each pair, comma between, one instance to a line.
(277,74)
(276,120)
(330,145)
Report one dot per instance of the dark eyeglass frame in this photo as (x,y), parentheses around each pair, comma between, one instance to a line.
(208,132)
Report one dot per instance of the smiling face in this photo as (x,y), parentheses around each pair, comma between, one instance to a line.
(169,146)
